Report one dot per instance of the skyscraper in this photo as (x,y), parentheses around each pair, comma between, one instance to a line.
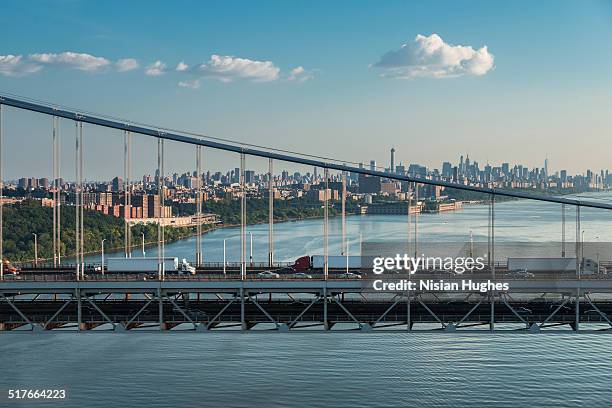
(447,170)
(373,165)
(392,168)
(117,184)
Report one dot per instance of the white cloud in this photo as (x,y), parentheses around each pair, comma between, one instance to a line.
(16,65)
(126,64)
(156,69)
(228,68)
(299,74)
(80,61)
(432,57)
(193,84)
(222,68)
(181,67)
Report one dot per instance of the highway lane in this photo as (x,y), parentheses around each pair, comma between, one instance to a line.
(285,273)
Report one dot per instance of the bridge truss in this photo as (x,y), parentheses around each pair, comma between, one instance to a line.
(218,305)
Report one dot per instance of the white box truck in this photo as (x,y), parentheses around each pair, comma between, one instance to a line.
(171,264)
(536,265)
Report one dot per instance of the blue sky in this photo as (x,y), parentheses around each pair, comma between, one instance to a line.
(546,93)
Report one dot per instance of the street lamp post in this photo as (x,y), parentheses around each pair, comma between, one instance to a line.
(597,265)
(582,249)
(251,248)
(224,263)
(35,249)
(102,265)
(346,250)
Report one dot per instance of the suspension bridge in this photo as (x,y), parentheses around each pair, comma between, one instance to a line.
(74,297)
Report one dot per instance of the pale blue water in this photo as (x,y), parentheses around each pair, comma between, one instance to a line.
(517,221)
(329,369)
(311,369)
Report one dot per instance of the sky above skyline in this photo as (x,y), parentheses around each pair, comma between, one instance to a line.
(501,82)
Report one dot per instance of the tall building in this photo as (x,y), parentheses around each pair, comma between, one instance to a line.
(153,209)
(141,201)
(117,184)
(392,168)
(105,199)
(447,170)
(373,165)
(369,184)
(416,170)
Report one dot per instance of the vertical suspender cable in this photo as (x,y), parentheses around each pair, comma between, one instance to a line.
(129,192)
(1,199)
(77,224)
(325,225)
(409,199)
(489,234)
(54,190)
(57,256)
(125,195)
(416,221)
(344,243)
(578,243)
(82,202)
(159,209)
(127,198)
(162,204)
(270,214)
(198,203)
(59,194)
(242,218)
(493,234)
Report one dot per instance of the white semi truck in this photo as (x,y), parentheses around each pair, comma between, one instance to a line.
(564,265)
(171,265)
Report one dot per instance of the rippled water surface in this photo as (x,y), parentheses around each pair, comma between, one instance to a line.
(312,369)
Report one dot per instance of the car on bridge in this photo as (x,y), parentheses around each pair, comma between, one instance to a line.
(519,274)
(302,275)
(268,275)
(348,275)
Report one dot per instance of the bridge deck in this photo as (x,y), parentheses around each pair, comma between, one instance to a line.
(58,283)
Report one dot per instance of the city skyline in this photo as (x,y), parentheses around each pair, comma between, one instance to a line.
(444,170)
(403,74)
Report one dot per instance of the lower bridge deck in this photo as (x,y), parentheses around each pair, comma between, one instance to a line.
(529,305)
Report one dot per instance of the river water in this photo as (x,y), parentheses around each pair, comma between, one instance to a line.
(314,369)
(516,221)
